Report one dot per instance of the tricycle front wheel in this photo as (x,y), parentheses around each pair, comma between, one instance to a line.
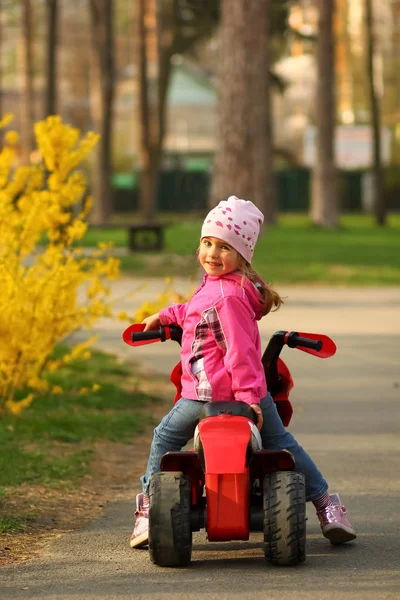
(170,534)
(284,518)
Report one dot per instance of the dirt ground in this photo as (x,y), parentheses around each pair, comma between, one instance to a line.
(114,475)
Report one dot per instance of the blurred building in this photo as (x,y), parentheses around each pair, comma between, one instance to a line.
(298,66)
(191,111)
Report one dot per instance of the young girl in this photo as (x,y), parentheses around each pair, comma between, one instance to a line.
(221,359)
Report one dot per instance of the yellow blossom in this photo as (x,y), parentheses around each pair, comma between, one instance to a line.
(40,385)
(16,407)
(11,138)
(79,349)
(123,316)
(53,365)
(104,246)
(13,407)
(6,120)
(56,390)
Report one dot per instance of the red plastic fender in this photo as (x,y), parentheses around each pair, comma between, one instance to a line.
(175,378)
(281,399)
(225,440)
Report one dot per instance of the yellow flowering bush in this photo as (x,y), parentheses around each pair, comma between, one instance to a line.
(49,287)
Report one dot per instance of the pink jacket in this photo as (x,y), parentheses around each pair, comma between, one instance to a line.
(220,331)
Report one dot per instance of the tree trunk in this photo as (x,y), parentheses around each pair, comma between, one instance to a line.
(165,51)
(324,207)
(51,75)
(151,107)
(27,113)
(103,50)
(379,205)
(264,195)
(146,187)
(243,160)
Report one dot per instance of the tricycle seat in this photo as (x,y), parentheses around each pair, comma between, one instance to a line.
(236,409)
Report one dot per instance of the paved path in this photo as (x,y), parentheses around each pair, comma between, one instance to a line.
(347,413)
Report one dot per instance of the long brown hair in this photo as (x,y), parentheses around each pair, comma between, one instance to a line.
(270,297)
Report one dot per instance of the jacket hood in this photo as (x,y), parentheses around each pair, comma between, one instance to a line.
(252,293)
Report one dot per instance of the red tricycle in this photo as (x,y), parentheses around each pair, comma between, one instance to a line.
(228,484)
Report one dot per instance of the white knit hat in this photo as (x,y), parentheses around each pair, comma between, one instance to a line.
(237,222)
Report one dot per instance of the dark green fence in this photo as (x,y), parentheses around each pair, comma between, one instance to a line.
(293,189)
(187,191)
(177,191)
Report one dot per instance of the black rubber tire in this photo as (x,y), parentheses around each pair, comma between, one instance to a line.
(284,518)
(170,534)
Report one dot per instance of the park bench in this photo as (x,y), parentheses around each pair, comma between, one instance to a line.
(142,237)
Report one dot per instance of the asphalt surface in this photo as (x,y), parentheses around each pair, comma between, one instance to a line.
(346,415)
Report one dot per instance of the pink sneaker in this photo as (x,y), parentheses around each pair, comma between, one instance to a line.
(334,523)
(140,535)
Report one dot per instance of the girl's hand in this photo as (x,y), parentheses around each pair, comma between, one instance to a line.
(257,410)
(152,322)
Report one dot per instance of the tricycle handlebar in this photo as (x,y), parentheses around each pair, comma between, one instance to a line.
(294,340)
(163,333)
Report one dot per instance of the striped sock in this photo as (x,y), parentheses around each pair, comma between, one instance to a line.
(323,502)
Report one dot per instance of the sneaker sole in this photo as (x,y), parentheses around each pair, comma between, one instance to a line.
(338,535)
(140,540)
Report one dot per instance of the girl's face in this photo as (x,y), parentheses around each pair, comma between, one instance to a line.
(217,257)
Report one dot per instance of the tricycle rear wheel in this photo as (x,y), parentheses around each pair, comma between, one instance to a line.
(170,534)
(284,518)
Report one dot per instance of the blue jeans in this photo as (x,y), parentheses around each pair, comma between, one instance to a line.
(177,428)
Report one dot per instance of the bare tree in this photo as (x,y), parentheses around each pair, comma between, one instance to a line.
(263,194)
(51,58)
(243,162)
(27,112)
(379,205)
(149,125)
(324,203)
(102,12)
(164,28)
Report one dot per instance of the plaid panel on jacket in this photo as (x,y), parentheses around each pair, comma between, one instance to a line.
(209,321)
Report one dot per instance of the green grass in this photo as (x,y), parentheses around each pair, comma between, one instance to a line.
(10,524)
(293,251)
(40,467)
(50,442)
(119,237)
